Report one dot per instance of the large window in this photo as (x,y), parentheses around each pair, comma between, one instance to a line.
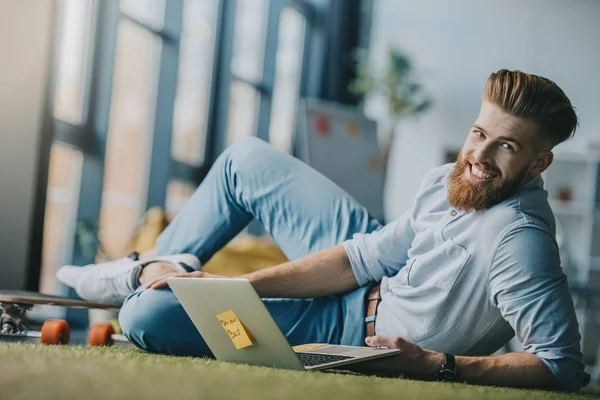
(196,60)
(267,69)
(147,94)
(178,193)
(150,13)
(250,28)
(193,98)
(73,59)
(131,127)
(74,40)
(243,110)
(251,17)
(288,75)
(64,177)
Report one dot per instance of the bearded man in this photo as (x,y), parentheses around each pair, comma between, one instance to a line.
(472,263)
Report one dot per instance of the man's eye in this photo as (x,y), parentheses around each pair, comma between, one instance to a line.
(479,133)
(507,146)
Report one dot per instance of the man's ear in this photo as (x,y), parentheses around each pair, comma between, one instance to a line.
(543,162)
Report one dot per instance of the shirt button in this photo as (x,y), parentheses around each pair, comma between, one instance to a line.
(453,213)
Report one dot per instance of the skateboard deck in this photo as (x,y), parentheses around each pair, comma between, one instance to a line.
(32,298)
(14,304)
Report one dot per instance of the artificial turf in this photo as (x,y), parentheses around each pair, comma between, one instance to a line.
(32,371)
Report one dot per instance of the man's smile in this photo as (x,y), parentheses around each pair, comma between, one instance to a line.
(479,175)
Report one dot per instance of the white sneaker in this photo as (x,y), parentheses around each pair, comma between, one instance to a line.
(113,281)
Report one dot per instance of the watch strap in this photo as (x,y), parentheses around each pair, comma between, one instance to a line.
(449,362)
(449,370)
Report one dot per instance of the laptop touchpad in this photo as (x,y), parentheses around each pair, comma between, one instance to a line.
(335,350)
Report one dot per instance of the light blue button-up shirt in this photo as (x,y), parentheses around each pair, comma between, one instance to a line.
(465,283)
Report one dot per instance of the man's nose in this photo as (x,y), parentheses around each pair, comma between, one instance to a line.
(483,154)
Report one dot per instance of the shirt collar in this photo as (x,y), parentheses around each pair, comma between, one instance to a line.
(535,183)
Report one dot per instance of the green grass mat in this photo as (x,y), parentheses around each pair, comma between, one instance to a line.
(30,371)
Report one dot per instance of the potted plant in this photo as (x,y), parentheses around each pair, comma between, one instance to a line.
(405,97)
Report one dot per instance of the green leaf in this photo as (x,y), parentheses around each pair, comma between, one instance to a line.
(423,106)
(404,95)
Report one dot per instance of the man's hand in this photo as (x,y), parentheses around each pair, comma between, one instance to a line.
(522,370)
(161,282)
(412,362)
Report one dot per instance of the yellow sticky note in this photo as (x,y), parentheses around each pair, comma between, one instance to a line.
(375,163)
(234,328)
(353,129)
(308,346)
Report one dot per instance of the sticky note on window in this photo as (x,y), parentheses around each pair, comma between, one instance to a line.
(321,125)
(353,129)
(375,163)
(234,328)
(308,346)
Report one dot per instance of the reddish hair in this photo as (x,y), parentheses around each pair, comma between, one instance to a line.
(535,98)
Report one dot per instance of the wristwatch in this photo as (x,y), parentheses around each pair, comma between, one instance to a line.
(449,370)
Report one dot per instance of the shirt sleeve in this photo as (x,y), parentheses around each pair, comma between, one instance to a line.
(385,252)
(381,253)
(529,288)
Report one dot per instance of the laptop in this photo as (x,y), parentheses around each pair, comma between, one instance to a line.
(212,304)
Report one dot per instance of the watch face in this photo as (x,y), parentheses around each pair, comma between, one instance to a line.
(447,375)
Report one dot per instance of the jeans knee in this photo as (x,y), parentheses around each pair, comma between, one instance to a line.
(143,316)
(154,320)
(248,151)
(136,318)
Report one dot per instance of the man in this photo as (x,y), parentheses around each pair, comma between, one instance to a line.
(473,262)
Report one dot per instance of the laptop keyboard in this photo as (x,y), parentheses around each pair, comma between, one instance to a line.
(312,359)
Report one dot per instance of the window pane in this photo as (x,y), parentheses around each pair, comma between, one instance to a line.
(196,52)
(178,193)
(249,38)
(290,48)
(72,59)
(243,111)
(150,12)
(64,178)
(129,135)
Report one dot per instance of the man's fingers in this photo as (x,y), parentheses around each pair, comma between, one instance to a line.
(153,282)
(161,282)
(376,341)
(393,342)
(156,280)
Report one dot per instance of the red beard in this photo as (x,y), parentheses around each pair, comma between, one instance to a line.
(468,196)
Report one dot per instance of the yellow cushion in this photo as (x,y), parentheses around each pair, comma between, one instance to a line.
(244,254)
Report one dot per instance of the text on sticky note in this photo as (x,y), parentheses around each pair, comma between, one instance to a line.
(234,328)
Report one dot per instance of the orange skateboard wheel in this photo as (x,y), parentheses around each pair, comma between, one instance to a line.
(101,335)
(55,331)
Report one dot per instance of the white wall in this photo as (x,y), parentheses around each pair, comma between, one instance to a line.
(25,27)
(455,45)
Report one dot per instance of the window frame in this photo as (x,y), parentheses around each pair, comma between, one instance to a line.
(90,135)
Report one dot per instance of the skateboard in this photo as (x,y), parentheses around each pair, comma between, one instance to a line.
(15,303)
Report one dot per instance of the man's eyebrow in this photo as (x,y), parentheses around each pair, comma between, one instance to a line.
(502,138)
(479,128)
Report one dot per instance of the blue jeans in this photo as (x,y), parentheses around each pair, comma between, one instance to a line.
(302,210)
